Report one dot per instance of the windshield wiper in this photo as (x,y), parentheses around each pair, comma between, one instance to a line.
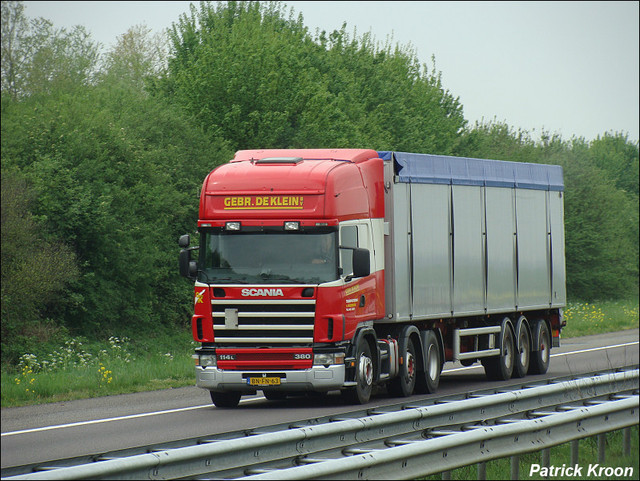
(290,280)
(229,279)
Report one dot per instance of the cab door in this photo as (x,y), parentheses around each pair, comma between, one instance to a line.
(359,293)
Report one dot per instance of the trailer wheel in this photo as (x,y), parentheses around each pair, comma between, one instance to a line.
(225,399)
(540,358)
(523,348)
(500,368)
(404,384)
(429,379)
(361,393)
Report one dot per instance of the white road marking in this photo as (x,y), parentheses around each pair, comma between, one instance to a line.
(120,418)
(259,398)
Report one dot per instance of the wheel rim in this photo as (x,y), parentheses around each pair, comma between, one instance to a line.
(411,366)
(524,348)
(365,368)
(432,362)
(508,352)
(544,347)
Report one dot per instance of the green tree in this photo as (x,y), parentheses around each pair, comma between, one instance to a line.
(616,155)
(137,58)
(38,59)
(497,140)
(231,67)
(34,269)
(258,78)
(600,222)
(117,174)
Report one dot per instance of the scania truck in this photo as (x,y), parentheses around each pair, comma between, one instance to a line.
(323,270)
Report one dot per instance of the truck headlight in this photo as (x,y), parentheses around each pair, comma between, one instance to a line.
(291,225)
(328,358)
(205,360)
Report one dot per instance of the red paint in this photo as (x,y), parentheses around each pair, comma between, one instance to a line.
(328,184)
(265,359)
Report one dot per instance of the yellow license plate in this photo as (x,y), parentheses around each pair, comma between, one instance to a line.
(263,381)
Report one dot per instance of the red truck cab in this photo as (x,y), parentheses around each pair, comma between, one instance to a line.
(287,270)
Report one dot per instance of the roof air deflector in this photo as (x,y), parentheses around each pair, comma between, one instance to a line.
(279,160)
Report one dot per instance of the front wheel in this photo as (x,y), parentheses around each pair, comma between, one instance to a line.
(225,399)
(361,393)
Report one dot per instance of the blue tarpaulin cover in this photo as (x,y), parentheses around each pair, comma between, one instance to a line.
(443,169)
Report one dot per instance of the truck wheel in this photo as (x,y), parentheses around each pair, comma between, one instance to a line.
(225,399)
(523,348)
(500,368)
(405,382)
(429,379)
(361,393)
(541,357)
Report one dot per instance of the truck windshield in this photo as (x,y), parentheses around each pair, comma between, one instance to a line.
(268,257)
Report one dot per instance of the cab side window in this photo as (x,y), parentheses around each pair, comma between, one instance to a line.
(348,238)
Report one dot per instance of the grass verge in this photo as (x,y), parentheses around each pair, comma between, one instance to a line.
(81,369)
(584,318)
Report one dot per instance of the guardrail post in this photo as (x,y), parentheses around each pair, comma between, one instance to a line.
(626,441)
(546,459)
(482,471)
(602,447)
(575,445)
(515,467)
(446,475)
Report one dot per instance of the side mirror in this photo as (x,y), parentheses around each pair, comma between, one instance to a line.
(193,269)
(361,267)
(188,268)
(184,241)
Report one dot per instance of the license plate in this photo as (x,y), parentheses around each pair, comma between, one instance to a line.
(263,381)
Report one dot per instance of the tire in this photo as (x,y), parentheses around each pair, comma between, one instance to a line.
(361,393)
(500,368)
(540,358)
(225,399)
(404,384)
(523,348)
(429,379)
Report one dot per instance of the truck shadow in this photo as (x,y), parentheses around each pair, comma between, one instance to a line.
(450,385)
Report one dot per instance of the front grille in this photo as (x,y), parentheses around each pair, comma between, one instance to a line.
(264,322)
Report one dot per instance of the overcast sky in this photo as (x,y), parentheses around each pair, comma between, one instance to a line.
(562,67)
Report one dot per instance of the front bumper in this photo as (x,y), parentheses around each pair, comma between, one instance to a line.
(318,379)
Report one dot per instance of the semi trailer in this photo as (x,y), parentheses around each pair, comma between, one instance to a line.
(321,270)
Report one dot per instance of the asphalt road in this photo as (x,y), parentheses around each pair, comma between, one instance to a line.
(76,428)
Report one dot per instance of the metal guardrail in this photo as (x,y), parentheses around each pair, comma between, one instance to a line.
(373,449)
(421,458)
